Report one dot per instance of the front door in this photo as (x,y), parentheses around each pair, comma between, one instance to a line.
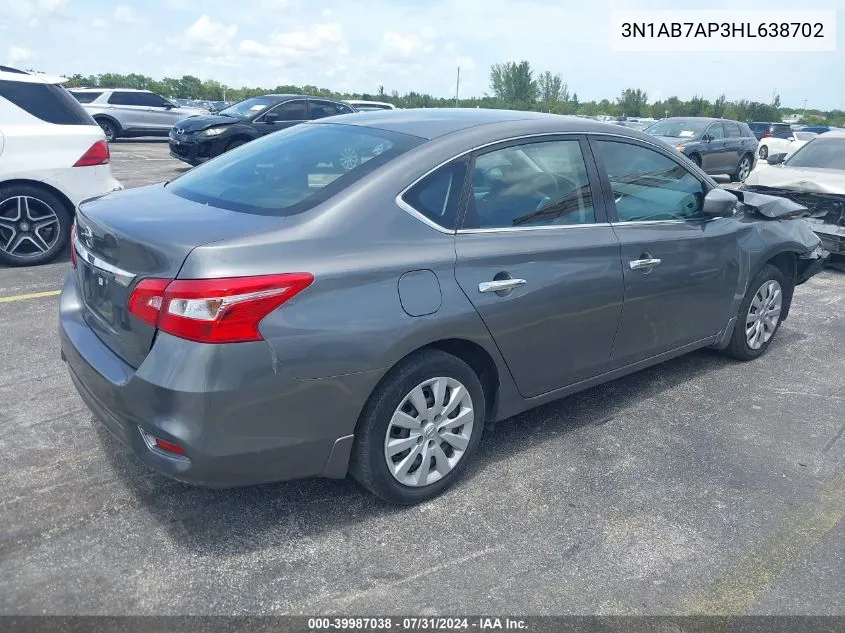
(159,114)
(539,262)
(282,116)
(681,270)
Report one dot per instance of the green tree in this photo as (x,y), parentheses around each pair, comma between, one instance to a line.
(513,82)
(632,102)
(552,89)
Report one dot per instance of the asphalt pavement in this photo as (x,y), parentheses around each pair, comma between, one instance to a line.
(703,485)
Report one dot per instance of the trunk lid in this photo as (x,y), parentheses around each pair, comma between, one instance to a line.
(136,234)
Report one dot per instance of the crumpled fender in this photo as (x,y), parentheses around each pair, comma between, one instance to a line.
(772,207)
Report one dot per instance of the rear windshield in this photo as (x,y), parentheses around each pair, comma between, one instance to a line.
(820,153)
(292,170)
(49,102)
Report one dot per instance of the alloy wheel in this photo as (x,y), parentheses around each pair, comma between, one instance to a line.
(429,432)
(29,227)
(349,158)
(763,314)
(744,168)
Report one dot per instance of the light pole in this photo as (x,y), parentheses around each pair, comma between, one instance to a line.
(457,86)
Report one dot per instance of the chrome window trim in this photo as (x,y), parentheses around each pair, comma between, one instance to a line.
(123,277)
(545,227)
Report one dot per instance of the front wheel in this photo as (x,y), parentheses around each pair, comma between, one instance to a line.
(419,429)
(34,225)
(759,315)
(109,129)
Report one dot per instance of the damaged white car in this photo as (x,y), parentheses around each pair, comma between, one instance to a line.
(814,177)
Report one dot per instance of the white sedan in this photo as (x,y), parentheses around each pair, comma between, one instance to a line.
(813,176)
(774,145)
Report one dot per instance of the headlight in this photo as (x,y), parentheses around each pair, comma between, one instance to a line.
(213,131)
(680,148)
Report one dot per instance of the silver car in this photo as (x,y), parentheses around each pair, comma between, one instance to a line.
(123,112)
(271,315)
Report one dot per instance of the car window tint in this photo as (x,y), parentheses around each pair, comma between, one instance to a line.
(123,98)
(290,111)
(86,97)
(732,130)
(322,109)
(437,195)
(345,109)
(717,131)
(648,185)
(48,102)
(534,184)
(150,100)
(292,170)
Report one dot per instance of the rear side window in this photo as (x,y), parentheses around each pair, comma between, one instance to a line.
(292,170)
(438,195)
(85,97)
(123,98)
(48,102)
(732,130)
(322,109)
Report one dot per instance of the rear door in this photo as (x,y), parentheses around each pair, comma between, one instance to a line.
(681,270)
(736,143)
(289,113)
(539,262)
(159,115)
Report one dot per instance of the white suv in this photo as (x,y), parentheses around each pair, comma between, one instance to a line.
(127,112)
(53,155)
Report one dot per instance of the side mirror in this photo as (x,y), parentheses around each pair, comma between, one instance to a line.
(776,159)
(706,138)
(719,203)
(272,117)
(790,138)
(169,106)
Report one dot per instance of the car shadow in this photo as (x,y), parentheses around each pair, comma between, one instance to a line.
(214,521)
(140,139)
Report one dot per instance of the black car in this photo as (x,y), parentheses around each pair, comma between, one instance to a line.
(200,138)
(718,146)
(770,130)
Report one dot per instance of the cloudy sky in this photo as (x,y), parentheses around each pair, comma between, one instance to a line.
(355,45)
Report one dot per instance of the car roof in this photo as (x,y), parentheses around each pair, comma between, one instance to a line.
(7,73)
(107,89)
(430,123)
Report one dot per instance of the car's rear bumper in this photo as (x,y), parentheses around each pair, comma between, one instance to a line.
(239,418)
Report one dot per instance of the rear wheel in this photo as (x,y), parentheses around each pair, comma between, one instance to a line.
(110,129)
(759,315)
(34,225)
(742,169)
(419,429)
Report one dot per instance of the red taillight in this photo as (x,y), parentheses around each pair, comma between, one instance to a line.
(169,447)
(767,135)
(73,245)
(214,310)
(97,154)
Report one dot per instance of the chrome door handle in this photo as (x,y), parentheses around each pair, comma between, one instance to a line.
(499,285)
(639,264)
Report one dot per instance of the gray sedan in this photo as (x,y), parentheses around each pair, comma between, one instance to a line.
(270,315)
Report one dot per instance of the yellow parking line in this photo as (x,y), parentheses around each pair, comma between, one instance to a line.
(33,295)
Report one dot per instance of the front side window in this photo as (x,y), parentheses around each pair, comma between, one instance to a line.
(290,111)
(123,98)
(151,100)
(438,195)
(649,186)
(529,185)
(292,170)
(49,102)
(716,131)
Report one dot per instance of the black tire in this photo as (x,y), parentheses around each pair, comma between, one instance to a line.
(236,143)
(739,347)
(40,202)
(110,128)
(696,159)
(746,160)
(763,152)
(368,463)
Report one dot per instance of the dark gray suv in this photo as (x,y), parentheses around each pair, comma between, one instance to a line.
(272,315)
(718,146)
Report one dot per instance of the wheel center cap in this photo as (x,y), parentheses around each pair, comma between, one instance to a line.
(429,430)
(24,226)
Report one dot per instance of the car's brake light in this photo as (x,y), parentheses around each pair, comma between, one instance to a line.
(767,135)
(73,245)
(214,310)
(97,154)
